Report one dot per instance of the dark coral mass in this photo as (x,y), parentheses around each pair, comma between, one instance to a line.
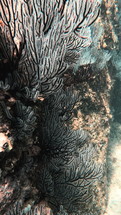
(48,160)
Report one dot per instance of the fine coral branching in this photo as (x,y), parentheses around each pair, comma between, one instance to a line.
(67,168)
(38,37)
(39,41)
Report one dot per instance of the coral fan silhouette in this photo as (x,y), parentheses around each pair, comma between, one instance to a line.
(39,42)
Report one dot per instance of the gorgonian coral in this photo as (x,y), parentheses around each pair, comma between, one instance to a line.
(37,38)
(39,41)
(67,169)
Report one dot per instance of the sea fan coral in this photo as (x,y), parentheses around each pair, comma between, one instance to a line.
(39,40)
(37,37)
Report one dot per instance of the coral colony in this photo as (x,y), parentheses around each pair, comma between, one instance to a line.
(39,41)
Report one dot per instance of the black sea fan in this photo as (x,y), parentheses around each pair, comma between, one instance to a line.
(67,168)
(56,138)
(23,120)
(68,181)
(37,38)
